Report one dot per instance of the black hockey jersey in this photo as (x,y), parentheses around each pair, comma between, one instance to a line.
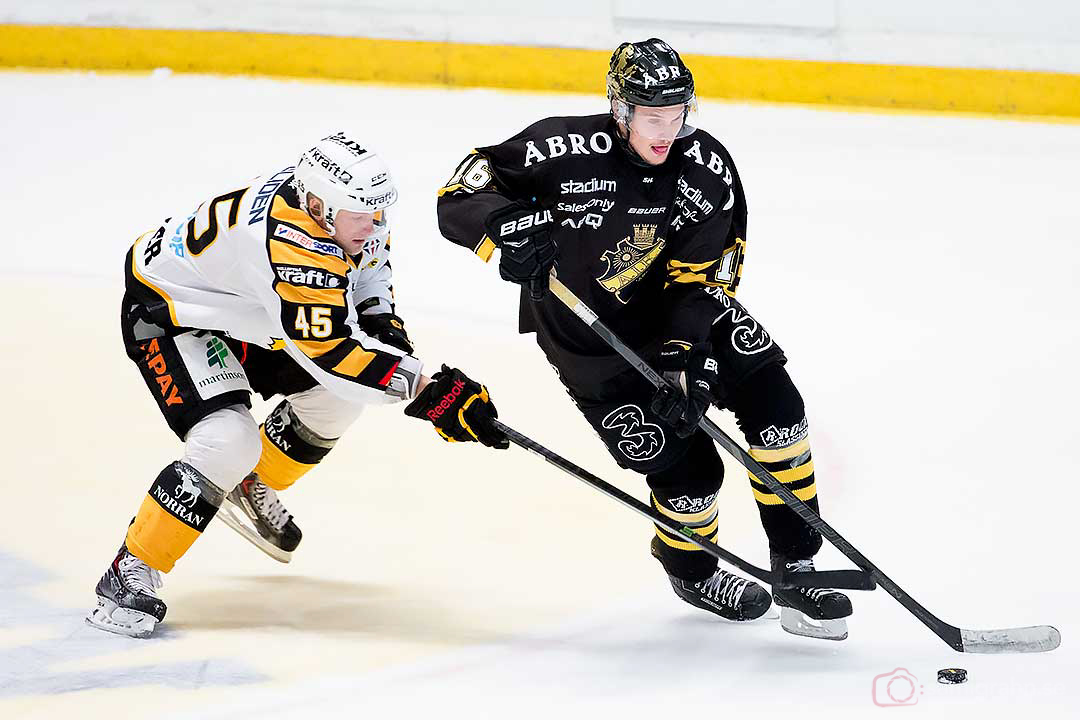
(643,246)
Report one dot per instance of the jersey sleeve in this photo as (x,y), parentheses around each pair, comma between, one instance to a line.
(312,296)
(709,228)
(488,179)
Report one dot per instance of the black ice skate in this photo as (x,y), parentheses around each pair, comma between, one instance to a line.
(811,612)
(724,594)
(127,600)
(253,510)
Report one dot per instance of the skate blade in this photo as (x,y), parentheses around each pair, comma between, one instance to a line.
(110,617)
(238,521)
(797,623)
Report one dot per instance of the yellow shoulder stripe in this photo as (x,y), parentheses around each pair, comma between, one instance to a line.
(296,217)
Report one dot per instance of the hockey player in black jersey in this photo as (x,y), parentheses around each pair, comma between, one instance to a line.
(644,218)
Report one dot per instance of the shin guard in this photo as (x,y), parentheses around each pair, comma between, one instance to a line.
(179,506)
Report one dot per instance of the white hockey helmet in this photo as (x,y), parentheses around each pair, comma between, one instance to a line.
(344,176)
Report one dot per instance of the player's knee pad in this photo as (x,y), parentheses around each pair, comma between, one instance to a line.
(289,448)
(224,446)
(773,419)
(176,510)
(686,493)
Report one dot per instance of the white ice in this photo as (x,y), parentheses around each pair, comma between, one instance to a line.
(921,273)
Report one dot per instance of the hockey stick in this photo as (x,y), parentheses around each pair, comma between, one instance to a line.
(847,579)
(1036,638)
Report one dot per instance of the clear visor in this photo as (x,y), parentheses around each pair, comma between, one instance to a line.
(662,124)
(366,230)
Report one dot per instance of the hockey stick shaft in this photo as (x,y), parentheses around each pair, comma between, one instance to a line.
(844,578)
(953,636)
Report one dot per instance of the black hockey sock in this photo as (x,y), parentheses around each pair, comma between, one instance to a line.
(772,417)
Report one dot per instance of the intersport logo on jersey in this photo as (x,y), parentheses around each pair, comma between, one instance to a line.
(308,276)
(306,241)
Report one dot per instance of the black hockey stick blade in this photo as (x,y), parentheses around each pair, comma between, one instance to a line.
(835,579)
(1039,638)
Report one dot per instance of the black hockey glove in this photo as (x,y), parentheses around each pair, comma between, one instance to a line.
(522,232)
(459,408)
(387,328)
(693,383)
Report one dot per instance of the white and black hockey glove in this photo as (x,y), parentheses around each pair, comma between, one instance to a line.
(459,408)
(522,232)
(386,328)
(693,384)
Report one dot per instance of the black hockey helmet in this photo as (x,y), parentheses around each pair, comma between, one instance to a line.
(649,73)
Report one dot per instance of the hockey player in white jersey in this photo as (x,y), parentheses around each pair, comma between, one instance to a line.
(281,287)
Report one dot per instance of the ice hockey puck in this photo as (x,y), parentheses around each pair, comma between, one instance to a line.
(952,676)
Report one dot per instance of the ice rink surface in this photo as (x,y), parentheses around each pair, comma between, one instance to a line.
(921,273)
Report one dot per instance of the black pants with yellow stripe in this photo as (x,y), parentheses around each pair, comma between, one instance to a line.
(685,474)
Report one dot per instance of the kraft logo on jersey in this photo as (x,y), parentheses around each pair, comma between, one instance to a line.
(308,276)
(306,241)
(598,142)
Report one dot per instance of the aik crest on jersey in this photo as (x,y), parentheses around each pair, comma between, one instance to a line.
(253,265)
(639,244)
